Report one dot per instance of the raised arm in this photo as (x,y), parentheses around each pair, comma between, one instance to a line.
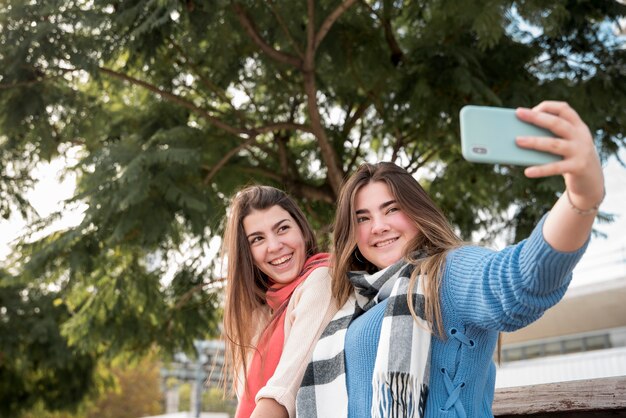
(569,223)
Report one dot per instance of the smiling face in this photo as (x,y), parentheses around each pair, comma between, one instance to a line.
(276,243)
(383,230)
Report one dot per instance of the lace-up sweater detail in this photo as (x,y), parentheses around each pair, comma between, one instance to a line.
(454,390)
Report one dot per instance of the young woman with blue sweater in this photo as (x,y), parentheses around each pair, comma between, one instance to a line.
(421,311)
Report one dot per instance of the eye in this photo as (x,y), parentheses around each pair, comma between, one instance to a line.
(361,219)
(255,239)
(283,228)
(393,209)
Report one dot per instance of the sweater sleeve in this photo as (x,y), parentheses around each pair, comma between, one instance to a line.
(311,308)
(509,289)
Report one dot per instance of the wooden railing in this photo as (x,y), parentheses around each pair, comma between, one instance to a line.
(604,397)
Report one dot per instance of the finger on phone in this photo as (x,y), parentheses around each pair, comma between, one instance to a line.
(557,125)
(562,109)
(540,143)
(545,170)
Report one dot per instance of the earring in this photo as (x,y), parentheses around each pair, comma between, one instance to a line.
(356,255)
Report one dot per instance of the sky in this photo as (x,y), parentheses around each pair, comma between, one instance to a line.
(46,197)
(605,258)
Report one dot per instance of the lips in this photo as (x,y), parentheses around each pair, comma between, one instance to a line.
(384,243)
(281,260)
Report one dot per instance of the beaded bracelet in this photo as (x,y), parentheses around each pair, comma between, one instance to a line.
(579,211)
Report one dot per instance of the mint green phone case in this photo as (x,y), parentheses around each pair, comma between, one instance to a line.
(488,136)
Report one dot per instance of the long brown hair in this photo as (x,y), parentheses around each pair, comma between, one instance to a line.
(435,238)
(245,283)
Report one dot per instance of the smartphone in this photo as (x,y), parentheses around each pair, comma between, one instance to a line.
(488,136)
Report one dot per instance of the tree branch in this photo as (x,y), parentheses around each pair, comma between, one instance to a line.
(206,82)
(283,26)
(352,120)
(40,79)
(283,158)
(289,126)
(294,105)
(299,188)
(179,100)
(265,173)
(310,36)
(7,86)
(412,158)
(330,21)
(426,156)
(335,171)
(250,133)
(230,154)
(397,55)
(399,143)
(316,193)
(182,301)
(249,94)
(357,150)
(248,25)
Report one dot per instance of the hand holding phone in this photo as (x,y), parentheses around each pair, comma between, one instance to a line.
(488,136)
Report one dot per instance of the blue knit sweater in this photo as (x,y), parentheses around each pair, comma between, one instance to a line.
(483,292)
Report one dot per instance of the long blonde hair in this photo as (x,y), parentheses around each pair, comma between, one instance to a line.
(435,238)
(246,284)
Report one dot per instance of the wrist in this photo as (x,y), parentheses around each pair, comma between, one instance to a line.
(584,210)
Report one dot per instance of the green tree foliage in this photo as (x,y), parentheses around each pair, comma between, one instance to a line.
(37,365)
(136,392)
(175,104)
(213,400)
(131,390)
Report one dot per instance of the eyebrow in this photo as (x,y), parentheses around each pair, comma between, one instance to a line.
(276,225)
(382,206)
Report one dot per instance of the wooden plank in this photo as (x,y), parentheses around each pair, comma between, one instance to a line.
(578,414)
(604,394)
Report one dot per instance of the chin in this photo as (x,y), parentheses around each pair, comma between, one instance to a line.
(389,261)
(287,279)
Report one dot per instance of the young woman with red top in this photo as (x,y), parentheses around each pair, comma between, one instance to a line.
(278,300)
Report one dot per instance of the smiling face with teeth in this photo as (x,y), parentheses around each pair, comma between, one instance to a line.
(276,242)
(383,229)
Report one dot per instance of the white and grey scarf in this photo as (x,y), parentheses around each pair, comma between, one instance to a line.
(401,371)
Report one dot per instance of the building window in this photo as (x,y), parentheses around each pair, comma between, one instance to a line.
(597,342)
(533,351)
(553,348)
(573,346)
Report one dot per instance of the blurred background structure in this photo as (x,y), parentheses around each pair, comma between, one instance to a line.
(582,337)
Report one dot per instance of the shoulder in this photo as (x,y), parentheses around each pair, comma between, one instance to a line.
(320,273)
(468,255)
(464,268)
(318,277)
(316,287)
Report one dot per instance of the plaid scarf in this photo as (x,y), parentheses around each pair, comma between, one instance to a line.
(402,367)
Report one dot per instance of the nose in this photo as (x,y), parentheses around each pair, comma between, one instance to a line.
(274,244)
(379,225)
